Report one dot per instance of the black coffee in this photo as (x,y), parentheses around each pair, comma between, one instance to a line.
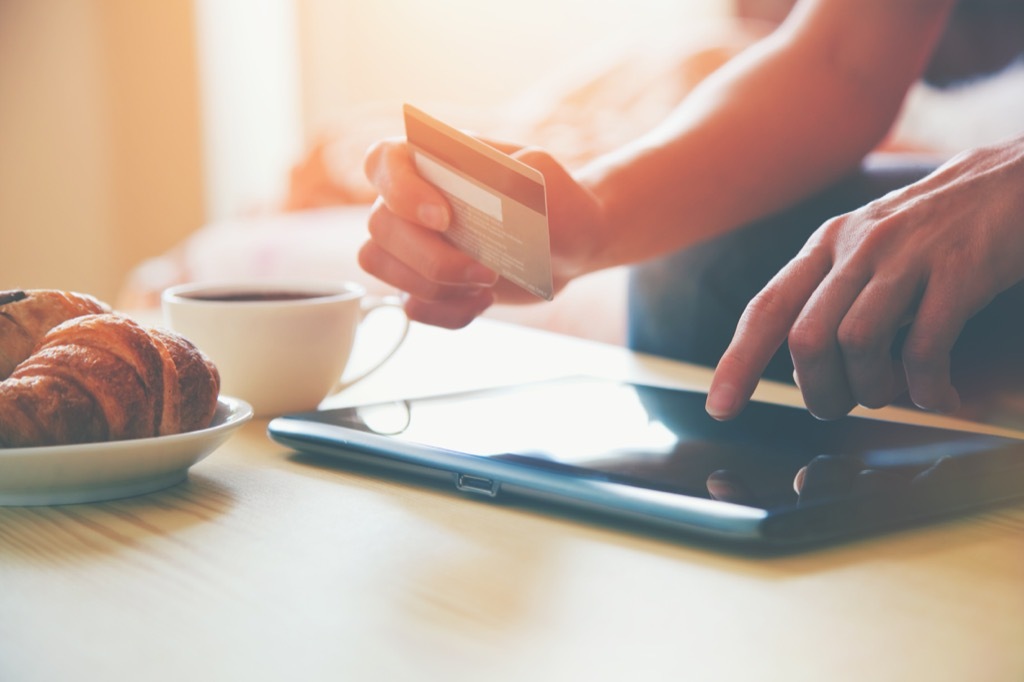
(253,296)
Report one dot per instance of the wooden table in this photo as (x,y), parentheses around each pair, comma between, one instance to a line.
(266,565)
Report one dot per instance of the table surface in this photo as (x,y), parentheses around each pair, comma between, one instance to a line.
(266,565)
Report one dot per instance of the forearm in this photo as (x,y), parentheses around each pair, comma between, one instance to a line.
(786,118)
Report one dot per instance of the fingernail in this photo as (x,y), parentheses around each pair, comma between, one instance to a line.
(433,216)
(947,404)
(721,401)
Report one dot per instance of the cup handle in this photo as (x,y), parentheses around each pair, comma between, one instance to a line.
(371,304)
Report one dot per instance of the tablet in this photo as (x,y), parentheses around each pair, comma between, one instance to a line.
(773,477)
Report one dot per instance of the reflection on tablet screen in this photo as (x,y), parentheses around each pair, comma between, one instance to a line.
(770,457)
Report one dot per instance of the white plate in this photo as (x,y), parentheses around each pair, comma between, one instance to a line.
(68,474)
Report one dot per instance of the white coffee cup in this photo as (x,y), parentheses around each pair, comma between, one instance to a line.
(280,346)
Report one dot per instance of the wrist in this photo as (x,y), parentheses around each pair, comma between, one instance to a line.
(608,190)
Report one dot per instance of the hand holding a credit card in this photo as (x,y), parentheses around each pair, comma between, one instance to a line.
(461,223)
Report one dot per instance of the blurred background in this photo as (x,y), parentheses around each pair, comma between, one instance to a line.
(125,125)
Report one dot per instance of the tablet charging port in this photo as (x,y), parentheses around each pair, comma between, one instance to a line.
(478,485)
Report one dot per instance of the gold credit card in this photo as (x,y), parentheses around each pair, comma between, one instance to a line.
(499,204)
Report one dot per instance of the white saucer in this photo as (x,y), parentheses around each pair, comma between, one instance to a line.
(68,474)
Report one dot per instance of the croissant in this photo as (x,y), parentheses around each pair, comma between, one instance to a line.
(25,316)
(99,377)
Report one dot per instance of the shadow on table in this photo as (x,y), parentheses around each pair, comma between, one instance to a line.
(58,533)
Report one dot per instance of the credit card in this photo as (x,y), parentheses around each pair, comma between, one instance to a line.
(499,204)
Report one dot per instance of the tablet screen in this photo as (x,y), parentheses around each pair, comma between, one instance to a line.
(662,439)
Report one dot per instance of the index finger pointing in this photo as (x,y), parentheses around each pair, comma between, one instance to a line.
(762,328)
